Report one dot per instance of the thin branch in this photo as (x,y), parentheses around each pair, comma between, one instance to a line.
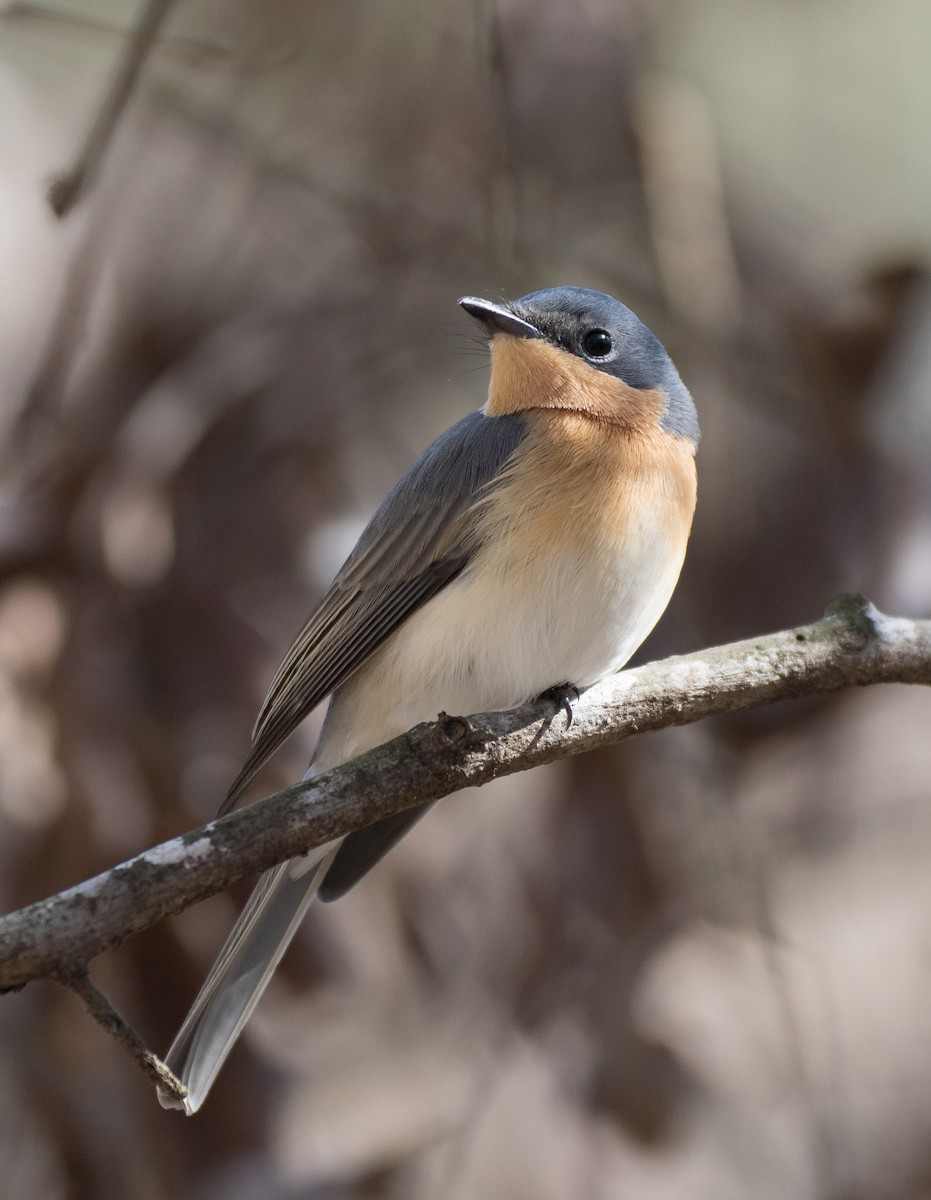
(853,645)
(109,1019)
(67,189)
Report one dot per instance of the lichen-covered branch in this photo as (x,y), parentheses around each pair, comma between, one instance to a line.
(852,645)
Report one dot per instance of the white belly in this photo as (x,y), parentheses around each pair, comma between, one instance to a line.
(506,630)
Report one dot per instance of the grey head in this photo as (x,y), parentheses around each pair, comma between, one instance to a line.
(602,332)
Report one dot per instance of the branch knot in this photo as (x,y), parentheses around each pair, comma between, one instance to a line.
(859,618)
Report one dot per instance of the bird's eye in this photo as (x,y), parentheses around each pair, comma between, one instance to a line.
(597,343)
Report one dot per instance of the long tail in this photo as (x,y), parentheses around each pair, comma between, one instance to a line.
(238,977)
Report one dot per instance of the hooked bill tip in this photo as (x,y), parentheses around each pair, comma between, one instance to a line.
(498,319)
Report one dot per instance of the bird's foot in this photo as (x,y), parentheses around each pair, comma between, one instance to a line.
(564,696)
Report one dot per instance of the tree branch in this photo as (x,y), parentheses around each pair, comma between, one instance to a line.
(109,1019)
(852,645)
(67,189)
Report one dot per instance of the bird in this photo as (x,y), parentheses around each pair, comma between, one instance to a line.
(533,546)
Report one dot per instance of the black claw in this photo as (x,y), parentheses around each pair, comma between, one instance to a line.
(564,696)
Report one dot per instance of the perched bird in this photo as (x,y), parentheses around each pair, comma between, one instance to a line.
(534,544)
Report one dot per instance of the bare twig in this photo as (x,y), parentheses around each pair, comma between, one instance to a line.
(852,645)
(67,189)
(109,1019)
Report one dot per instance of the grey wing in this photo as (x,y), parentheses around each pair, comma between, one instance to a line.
(418,541)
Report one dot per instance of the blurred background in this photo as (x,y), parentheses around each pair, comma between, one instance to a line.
(696,965)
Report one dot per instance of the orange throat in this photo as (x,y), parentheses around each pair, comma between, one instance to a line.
(529,373)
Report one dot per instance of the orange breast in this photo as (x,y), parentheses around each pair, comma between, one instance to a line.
(582,480)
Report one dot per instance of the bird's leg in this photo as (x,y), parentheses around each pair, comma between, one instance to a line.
(564,696)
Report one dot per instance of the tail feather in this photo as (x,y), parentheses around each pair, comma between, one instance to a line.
(239,976)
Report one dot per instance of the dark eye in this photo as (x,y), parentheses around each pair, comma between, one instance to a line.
(597,343)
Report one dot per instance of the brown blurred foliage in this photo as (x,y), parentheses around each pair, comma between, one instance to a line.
(694,966)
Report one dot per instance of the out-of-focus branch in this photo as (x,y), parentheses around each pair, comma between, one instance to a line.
(852,645)
(67,189)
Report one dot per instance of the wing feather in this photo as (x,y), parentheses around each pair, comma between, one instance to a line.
(418,541)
